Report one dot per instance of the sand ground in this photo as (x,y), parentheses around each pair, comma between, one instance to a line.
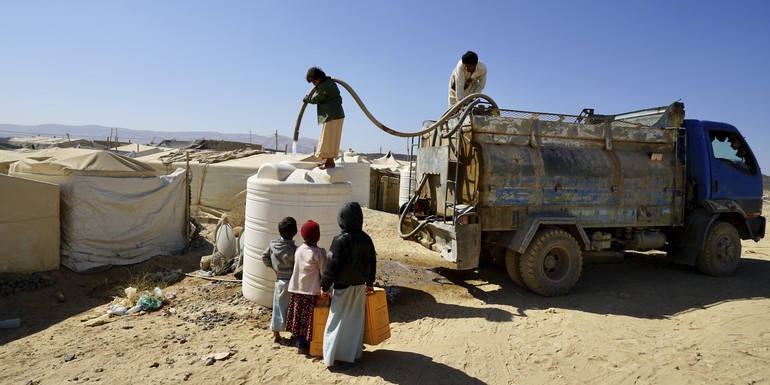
(642,320)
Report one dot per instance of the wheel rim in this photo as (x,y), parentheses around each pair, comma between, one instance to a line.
(725,250)
(556,264)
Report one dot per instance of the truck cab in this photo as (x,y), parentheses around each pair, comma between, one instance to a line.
(724,186)
(721,165)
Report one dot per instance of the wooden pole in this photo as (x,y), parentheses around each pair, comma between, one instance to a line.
(187,200)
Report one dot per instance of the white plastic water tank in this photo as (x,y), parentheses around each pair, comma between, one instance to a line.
(357,167)
(406,184)
(278,190)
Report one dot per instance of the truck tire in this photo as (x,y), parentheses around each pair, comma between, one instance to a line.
(722,251)
(552,263)
(513,265)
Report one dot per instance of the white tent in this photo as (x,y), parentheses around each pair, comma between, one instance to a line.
(216,185)
(114,210)
(137,150)
(7,158)
(389,162)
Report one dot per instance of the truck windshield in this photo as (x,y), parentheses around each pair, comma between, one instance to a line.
(730,148)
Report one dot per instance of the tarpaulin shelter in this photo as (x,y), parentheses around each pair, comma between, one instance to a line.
(29,225)
(114,210)
(386,183)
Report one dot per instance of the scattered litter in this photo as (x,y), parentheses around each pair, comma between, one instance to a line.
(12,323)
(207,275)
(134,303)
(118,310)
(149,302)
(101,320)
(134,310)
(211,357)
(131,294)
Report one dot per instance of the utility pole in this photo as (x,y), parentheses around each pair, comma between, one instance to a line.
(276,140)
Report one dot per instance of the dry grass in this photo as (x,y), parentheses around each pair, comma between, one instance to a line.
(236,217)
(144,281)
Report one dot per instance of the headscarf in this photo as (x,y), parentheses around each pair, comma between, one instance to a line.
(350,217)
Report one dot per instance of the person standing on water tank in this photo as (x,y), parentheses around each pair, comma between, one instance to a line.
(330,114)
(468,77)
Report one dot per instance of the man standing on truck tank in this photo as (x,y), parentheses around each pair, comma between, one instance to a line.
(468,77)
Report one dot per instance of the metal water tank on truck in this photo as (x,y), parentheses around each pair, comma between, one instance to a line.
(543,190)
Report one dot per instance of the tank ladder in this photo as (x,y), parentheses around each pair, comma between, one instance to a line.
(453,175)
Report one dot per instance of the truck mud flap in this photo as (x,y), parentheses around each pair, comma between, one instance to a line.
(468,246)
(756,228)
(693,237)
(460,244)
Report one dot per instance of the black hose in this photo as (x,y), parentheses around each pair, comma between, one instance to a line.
(451,111)
(301,112)
(471,100)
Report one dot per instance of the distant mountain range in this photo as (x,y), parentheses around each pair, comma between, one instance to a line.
(94,132)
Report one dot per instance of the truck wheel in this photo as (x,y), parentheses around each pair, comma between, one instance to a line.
(513,265)
(552,263)
(722,252)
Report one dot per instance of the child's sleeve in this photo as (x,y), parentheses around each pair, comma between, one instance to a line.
(266,257)
(321,261)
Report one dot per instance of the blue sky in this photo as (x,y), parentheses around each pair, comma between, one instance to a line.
(239,66)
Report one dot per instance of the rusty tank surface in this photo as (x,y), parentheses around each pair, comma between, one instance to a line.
(496,182)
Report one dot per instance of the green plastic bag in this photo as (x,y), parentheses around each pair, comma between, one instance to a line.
(149,302)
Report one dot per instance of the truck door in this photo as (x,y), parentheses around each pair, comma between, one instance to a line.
(734,170)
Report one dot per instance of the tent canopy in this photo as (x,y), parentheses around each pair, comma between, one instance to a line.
(75,161)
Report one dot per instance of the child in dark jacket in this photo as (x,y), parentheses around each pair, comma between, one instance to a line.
(350,274)
(279,256)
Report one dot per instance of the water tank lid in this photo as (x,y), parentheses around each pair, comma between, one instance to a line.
(301,164)
(287,172)
(275,171)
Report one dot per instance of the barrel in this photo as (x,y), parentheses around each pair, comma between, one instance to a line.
(357,168)
(406,184)
(279,190)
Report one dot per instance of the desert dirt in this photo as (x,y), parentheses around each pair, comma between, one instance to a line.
(642,320)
